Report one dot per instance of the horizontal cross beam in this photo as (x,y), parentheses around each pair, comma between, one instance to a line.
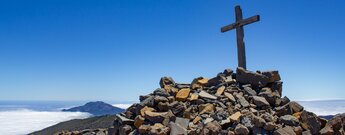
(241,23)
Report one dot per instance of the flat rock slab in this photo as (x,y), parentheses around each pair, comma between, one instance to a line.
(247,77)
(207,95)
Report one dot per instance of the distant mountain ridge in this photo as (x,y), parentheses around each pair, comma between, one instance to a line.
(96,108)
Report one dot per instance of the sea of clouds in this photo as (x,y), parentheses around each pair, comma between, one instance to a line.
(24,121)
(324,107)
(18,120)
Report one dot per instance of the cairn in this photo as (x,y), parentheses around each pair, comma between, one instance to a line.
(240,103)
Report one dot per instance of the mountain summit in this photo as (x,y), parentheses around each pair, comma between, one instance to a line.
(96,108)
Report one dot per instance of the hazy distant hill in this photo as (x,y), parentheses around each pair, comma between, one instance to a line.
(96,108)
(79,124)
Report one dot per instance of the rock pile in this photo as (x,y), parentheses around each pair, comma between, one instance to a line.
(240,103)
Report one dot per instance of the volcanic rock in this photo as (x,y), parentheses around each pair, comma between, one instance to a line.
(244,102)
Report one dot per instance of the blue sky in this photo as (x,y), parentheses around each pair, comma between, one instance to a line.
(118,50)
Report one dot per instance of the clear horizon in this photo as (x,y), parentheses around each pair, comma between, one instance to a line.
(86,50)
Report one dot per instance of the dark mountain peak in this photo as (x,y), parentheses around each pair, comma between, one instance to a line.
(96,108)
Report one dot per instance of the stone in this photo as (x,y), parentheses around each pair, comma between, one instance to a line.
(163,106)
(228,72)
(166,81)
(260,101)
(124,120)
(159,129)
(289,120)
(284,131)
(149,101)
(297,115)
(243,101)
(277,86)
(230,97)
(235,117)
(295,107)
(212,128)
(138,121)
(158,99)
(220,114)
(176,129)
(308,132)
(177,108)
(337,123)
(220,91)
(258,121)
(161,92)
(198,83)
(219,79)
(231,132)
(206,108)
(247,77)
(207,95)
(246,120)
(156,117)
(182,122)
(327,130)
(285,100)
(125,130)
(283,110)
(313,124)
(270,126)
(249,91)
(254,111)
(143,110)
(207,120)
(144,129)
(241,130)
(194,97)
(182,85)
(272,75)
(196,119)
(182,94)
(298,130)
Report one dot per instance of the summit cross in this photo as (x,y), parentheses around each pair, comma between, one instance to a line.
(240,22)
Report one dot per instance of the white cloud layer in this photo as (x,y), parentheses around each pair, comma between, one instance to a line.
(24,121)
(331,107)
(122,106)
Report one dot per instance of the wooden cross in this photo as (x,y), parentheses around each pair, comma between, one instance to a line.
(240,22)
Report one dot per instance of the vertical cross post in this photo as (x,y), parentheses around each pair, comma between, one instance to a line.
(240,22)
(241,53)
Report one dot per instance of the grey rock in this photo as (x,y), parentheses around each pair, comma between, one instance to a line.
(243,101)
(284,131)
(247,77)
(166,81)
(289,120)
(308,132)
(176,129)
(177,108)
(285,100)
(207,95)
(260,101)
(249,91)
(149,101)
(312,121)
(161,92)
(228,72)
(182,122)
(272,75)
(212,128)
(295,107)
(241,130)
(124,120)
